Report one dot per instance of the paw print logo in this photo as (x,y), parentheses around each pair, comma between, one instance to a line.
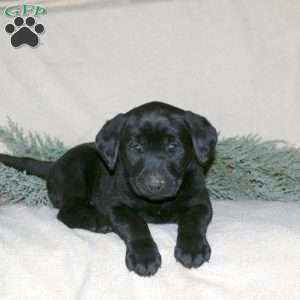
(24,32)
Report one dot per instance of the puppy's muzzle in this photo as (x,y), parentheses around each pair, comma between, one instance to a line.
(155,184)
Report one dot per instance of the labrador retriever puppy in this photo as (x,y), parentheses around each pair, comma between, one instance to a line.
(146,166)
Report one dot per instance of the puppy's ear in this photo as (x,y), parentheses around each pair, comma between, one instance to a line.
(108,140)
(204,136)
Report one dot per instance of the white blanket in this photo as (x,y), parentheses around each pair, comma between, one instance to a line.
(255,255)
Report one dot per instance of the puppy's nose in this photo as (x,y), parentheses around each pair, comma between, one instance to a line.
(155,184)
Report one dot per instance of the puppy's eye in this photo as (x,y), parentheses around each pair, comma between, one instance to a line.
(172,148)
(137,147)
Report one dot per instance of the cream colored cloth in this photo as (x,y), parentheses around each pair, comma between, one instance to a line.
(236,62)
(255,256)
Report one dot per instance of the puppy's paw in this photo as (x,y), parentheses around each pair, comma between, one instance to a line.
(95,223)
(103,227)
(85,218)
(192,251)
(102,224)
(78,218)
(143,258)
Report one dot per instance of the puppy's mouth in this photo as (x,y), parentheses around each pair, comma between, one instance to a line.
(166,193)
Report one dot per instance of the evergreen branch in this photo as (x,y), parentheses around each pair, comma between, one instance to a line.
(244,168)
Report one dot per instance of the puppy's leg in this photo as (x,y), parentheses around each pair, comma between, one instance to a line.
(79,215)
(142,255)
(192,248)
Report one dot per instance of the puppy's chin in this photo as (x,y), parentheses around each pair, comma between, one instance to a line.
(157,198)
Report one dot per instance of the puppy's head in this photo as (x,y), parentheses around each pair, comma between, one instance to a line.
(156,143)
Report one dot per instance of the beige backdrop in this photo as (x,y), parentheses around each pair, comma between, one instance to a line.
(236,62)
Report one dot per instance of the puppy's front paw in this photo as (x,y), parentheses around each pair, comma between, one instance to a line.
(143,258)
(192,251)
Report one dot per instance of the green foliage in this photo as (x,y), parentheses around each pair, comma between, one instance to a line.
(17,186)
(249,168)
(244,168)
(31,144)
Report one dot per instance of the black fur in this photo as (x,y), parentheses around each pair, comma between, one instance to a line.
(146,166)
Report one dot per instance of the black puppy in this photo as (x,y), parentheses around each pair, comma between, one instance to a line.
(146,166)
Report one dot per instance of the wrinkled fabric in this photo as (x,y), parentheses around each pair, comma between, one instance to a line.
(255,255)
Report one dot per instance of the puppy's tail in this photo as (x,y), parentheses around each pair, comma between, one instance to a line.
(30,165)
